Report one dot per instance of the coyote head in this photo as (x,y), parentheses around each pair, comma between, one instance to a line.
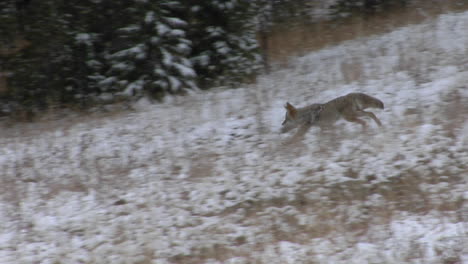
(378,104)
(289,118)
(368,101)
(295,117)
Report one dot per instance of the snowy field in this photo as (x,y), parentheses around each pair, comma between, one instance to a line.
(206,178)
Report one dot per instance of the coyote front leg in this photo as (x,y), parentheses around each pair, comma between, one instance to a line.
(371,115)
(299,135)
(354,119)
(302,131)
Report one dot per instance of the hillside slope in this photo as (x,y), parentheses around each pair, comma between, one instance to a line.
(206,178)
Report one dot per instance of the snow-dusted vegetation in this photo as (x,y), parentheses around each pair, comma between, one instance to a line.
(206,178)
(54,53)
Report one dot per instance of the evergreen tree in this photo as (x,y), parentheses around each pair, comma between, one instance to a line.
(89,50)
(153,52)
(225,49)
(34,70)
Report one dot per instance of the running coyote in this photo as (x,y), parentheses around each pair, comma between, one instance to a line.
(349,107)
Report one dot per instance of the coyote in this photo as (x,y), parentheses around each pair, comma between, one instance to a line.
(349,107)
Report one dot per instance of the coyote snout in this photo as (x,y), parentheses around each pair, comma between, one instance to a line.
(349,107)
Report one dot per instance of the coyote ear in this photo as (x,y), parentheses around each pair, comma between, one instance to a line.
(291,109)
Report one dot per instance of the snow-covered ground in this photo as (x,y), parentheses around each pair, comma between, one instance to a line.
(206,178)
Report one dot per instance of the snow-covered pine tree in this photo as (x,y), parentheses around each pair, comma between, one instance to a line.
(225,49)
(170,46)
(151,52)
(66,45)
(95,49)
